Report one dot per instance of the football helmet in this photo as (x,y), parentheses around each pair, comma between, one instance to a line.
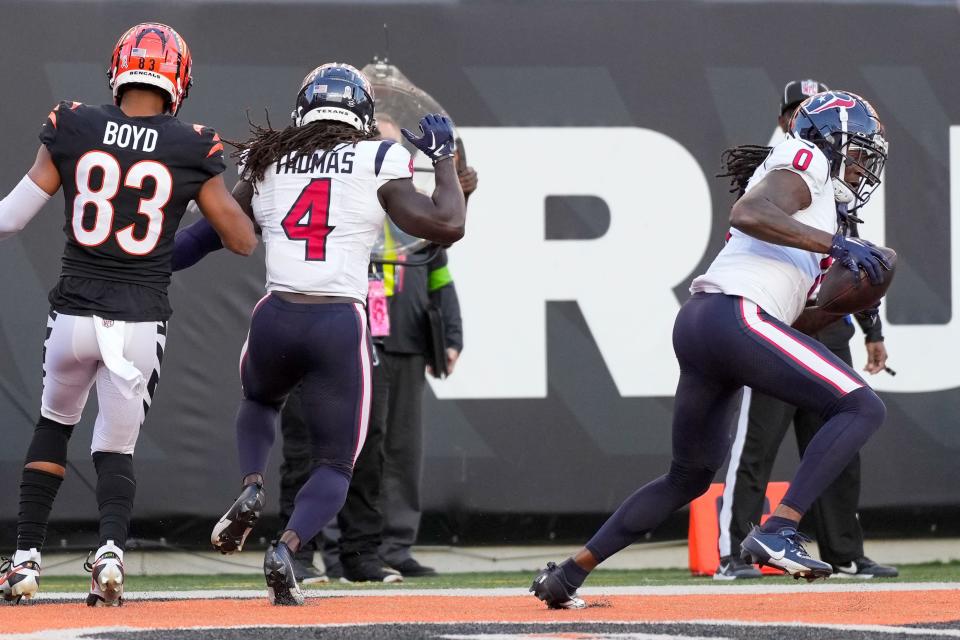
(848,131)
(153,54)
(337,92)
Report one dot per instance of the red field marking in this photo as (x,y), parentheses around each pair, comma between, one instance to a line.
(877,607)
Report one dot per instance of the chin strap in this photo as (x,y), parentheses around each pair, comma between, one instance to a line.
(845,218)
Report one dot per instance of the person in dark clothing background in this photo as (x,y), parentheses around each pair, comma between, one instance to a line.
(380,519)
(762,423)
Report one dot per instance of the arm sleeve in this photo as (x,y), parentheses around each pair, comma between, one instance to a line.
(392,162)
(20,207)
(192,243)
(805,160)
(872,327)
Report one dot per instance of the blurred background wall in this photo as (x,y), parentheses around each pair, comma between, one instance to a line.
(596,128)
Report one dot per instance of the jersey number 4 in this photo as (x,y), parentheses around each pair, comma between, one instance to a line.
(101,198)
(307,218)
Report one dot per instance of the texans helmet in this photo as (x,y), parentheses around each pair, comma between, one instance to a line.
(337,92)
(848,131)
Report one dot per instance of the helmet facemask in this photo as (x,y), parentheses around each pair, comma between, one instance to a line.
(864,157)
(860,153)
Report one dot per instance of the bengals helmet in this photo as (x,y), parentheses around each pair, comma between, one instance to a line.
(337,92)
(152,54)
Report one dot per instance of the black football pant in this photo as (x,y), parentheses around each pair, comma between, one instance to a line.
(833,517)
(724,343)
(325,347)
(398,382)
(359,523)
(297,462)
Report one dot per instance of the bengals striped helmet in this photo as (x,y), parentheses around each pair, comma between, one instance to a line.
(152,54)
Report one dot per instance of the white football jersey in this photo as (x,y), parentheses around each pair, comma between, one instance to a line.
(320,216)
(778,279)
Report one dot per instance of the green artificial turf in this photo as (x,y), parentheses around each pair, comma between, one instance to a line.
(930,572)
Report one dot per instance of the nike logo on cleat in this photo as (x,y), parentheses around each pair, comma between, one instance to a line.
(774,555)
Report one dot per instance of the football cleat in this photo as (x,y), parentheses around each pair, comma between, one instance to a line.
(232,530)
(783,550)
(552,587)
(864,568)
(366,568)
(282,588)
(306,573)
(106,579)
(20,576)
(733,568)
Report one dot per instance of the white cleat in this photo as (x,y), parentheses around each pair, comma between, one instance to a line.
(20,576)
(106,581)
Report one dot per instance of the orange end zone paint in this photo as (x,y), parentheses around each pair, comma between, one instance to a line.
(879,607)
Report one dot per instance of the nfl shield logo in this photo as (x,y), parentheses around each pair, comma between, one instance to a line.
(809,87)
(108,323)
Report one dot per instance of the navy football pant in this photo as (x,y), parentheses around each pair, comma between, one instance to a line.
(724,343)
(324,347)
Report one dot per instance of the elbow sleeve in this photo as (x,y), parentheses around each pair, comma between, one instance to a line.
(20,206)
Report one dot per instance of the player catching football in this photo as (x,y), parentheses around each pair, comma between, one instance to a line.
(319,190)
(128,171)
(735,331)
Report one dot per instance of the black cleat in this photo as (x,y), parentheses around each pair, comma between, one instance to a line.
(367,568)
(864,568)
(410,568)
(733,568)
(236,524)
(282,588)
(551,587)
(306,573)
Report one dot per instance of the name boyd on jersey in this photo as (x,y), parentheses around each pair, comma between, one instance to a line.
(129,136)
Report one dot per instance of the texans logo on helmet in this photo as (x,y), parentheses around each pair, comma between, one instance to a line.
(833,101)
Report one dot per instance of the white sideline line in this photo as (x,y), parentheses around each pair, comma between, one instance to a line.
(673,590)
(81,633)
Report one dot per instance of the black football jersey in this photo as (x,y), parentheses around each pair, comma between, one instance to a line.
(126,183)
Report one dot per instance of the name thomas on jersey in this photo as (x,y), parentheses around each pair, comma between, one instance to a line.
(329,161)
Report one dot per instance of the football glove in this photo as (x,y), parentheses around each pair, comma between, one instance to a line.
(437,141)
(856,253)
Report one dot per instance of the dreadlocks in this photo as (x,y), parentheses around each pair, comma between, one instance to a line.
(267,145)
(740,163)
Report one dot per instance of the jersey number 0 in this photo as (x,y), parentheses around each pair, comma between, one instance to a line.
(151,208)
(307,219)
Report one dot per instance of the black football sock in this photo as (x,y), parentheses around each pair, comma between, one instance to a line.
(851,422)
(775,523)
(319,500)
(116,488)
(38,490)
(648,507)
(573,573)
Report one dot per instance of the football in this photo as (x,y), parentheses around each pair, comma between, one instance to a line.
(841,292)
